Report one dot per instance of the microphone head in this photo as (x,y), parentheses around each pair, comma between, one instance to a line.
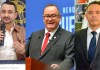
(2,26)
(3,31)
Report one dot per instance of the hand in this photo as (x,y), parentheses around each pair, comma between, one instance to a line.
(1,35)
(55,66)
(19,47)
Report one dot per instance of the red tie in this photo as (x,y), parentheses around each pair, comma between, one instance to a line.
(45,42)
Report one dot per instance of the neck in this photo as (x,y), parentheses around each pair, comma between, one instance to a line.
(94,28)
(9,26)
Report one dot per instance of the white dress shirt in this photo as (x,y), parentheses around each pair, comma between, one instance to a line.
(51,35)
(89,36)
(7,52)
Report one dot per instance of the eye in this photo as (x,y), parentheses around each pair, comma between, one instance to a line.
(90,12)
(10,12)
(3,11)
(54,15)
(97,12)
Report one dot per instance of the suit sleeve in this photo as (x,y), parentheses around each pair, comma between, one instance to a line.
(28,46)
(68,62)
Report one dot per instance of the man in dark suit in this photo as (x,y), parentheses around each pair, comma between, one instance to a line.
(59,51)
(87,41)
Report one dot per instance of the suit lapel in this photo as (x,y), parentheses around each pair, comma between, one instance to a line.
(55,38)
(39,44)
(97,50)
(98,47)
(84,42)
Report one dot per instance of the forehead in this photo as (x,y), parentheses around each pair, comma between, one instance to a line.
(7,7)
(93,7)
(50,9)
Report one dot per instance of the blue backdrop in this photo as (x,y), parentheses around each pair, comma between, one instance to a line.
(34,12)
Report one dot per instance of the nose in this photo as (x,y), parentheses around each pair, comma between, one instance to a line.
(6,14)
(50,18)
(94,15)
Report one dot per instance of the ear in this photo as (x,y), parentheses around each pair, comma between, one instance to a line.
(85,16)
(15,16)
(0,14)
(60,15)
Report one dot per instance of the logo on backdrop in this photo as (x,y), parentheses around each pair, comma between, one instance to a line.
(67,20)
(21,12)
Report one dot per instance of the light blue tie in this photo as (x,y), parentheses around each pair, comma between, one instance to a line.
(92,47)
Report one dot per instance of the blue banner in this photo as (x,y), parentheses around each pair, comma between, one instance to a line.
(34,20)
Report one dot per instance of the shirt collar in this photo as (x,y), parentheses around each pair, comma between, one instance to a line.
(12,28)
(51,33)
(90,30)
(16,28)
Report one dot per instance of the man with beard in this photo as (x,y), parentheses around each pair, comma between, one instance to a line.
(14,35)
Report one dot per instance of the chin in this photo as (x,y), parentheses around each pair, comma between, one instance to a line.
(6,22)
(50,29)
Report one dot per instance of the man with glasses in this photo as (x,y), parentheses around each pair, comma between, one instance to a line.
(53,45)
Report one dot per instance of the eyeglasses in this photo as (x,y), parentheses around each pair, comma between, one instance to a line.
(53,16)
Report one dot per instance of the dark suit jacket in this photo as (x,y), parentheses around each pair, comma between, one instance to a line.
(82,62)
(60,50)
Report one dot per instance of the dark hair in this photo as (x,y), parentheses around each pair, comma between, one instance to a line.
(94,2)
(50,5)
(10,3)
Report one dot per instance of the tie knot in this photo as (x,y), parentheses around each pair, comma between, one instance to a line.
(94,33)
(48,34)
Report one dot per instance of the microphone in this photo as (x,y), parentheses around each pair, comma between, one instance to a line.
(3,31)
(39,37)
(28,38)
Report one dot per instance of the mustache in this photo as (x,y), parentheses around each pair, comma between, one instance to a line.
(6,18)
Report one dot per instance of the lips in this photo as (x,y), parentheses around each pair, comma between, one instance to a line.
(50,23)
(94,20)
(6,18)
